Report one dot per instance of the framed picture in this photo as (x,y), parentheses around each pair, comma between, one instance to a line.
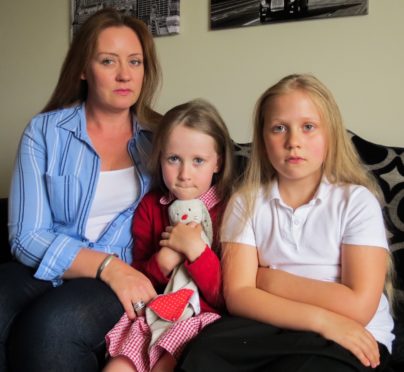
(161,16)
(230,13)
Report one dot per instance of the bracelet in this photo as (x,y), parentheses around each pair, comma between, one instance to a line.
(105,262)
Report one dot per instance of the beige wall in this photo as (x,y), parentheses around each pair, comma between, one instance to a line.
(360,58)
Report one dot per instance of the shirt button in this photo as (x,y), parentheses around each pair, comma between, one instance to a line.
(296,222)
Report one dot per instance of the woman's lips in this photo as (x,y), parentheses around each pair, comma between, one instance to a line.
(123,92)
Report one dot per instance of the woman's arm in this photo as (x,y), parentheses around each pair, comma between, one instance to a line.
(129,284)
(243,298)
(363,271)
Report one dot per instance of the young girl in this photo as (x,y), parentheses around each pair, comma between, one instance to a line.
(194,161)
(304,248)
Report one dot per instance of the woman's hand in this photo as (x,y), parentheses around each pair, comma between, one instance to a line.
(185,239)
(168,259)
(129,284)
(352,336)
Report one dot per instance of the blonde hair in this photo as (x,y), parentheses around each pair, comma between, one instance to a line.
(199,115)
(342,164)
(71,89)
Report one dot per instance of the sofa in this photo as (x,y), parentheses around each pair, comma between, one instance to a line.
(387,165)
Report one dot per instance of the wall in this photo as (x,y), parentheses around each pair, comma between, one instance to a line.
(360,58)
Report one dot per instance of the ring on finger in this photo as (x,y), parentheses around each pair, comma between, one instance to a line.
(139,306)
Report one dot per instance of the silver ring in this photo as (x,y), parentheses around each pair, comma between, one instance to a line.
(139,306)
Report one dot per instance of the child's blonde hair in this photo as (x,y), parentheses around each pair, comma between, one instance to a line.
(201,116)
(342,164)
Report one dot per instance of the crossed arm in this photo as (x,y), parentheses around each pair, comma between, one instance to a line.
(333,310)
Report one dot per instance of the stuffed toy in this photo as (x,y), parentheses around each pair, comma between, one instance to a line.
(180,299)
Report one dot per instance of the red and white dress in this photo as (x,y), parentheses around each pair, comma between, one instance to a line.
(132,338)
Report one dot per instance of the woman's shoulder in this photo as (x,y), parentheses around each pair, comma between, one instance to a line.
(56,117)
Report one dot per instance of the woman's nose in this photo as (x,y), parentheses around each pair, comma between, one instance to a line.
(123,73)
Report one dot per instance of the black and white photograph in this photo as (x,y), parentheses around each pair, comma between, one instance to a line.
(242,13)
(161,16)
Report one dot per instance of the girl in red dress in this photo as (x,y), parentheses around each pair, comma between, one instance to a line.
(194,161)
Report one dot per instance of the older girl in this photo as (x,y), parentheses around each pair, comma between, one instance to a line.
(304,245)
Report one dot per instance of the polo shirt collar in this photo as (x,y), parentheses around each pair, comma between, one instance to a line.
(320,195)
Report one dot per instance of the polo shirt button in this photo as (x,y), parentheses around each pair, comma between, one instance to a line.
(296,222)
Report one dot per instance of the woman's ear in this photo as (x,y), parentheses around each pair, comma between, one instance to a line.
(83,76)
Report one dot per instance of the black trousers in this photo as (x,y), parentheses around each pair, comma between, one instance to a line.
(235,344)
(60,329)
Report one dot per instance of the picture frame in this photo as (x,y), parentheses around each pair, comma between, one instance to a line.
(161,16)
(230,13)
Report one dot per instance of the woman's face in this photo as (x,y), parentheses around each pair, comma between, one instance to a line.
(116,70)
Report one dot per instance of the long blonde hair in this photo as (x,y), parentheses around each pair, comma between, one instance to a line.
(342,163)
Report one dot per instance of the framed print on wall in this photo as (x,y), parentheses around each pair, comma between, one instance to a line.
(161,16)
(241,13)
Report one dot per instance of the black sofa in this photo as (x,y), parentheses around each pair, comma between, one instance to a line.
(387,165)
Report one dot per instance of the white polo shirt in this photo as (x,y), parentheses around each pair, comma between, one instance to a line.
(307,241)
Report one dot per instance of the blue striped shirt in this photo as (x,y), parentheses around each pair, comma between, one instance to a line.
(53,185)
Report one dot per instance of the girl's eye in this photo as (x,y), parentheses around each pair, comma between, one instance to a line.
(173,159)
(279,128)
(198,161)
(309,127)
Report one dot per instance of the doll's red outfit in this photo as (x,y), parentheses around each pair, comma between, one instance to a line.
(132,338)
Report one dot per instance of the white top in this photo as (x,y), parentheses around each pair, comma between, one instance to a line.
(307,241)
(116,191)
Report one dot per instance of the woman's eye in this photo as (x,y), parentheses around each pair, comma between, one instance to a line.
(107,61)
(136,62)
(198,161)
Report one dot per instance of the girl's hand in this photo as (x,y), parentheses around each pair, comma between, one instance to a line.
(129,284)
(185,239)
(352,336)
(168,259)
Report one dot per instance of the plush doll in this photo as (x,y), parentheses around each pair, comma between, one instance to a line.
(180,299)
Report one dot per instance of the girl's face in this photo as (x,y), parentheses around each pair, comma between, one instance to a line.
(295,138)
(188,162)
(116,71)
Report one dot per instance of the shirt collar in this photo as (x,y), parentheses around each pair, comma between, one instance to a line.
(210,198)
(321,193)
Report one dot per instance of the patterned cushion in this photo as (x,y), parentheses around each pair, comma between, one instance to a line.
(387,165)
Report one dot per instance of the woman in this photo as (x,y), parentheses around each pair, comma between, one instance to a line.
(79,174)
